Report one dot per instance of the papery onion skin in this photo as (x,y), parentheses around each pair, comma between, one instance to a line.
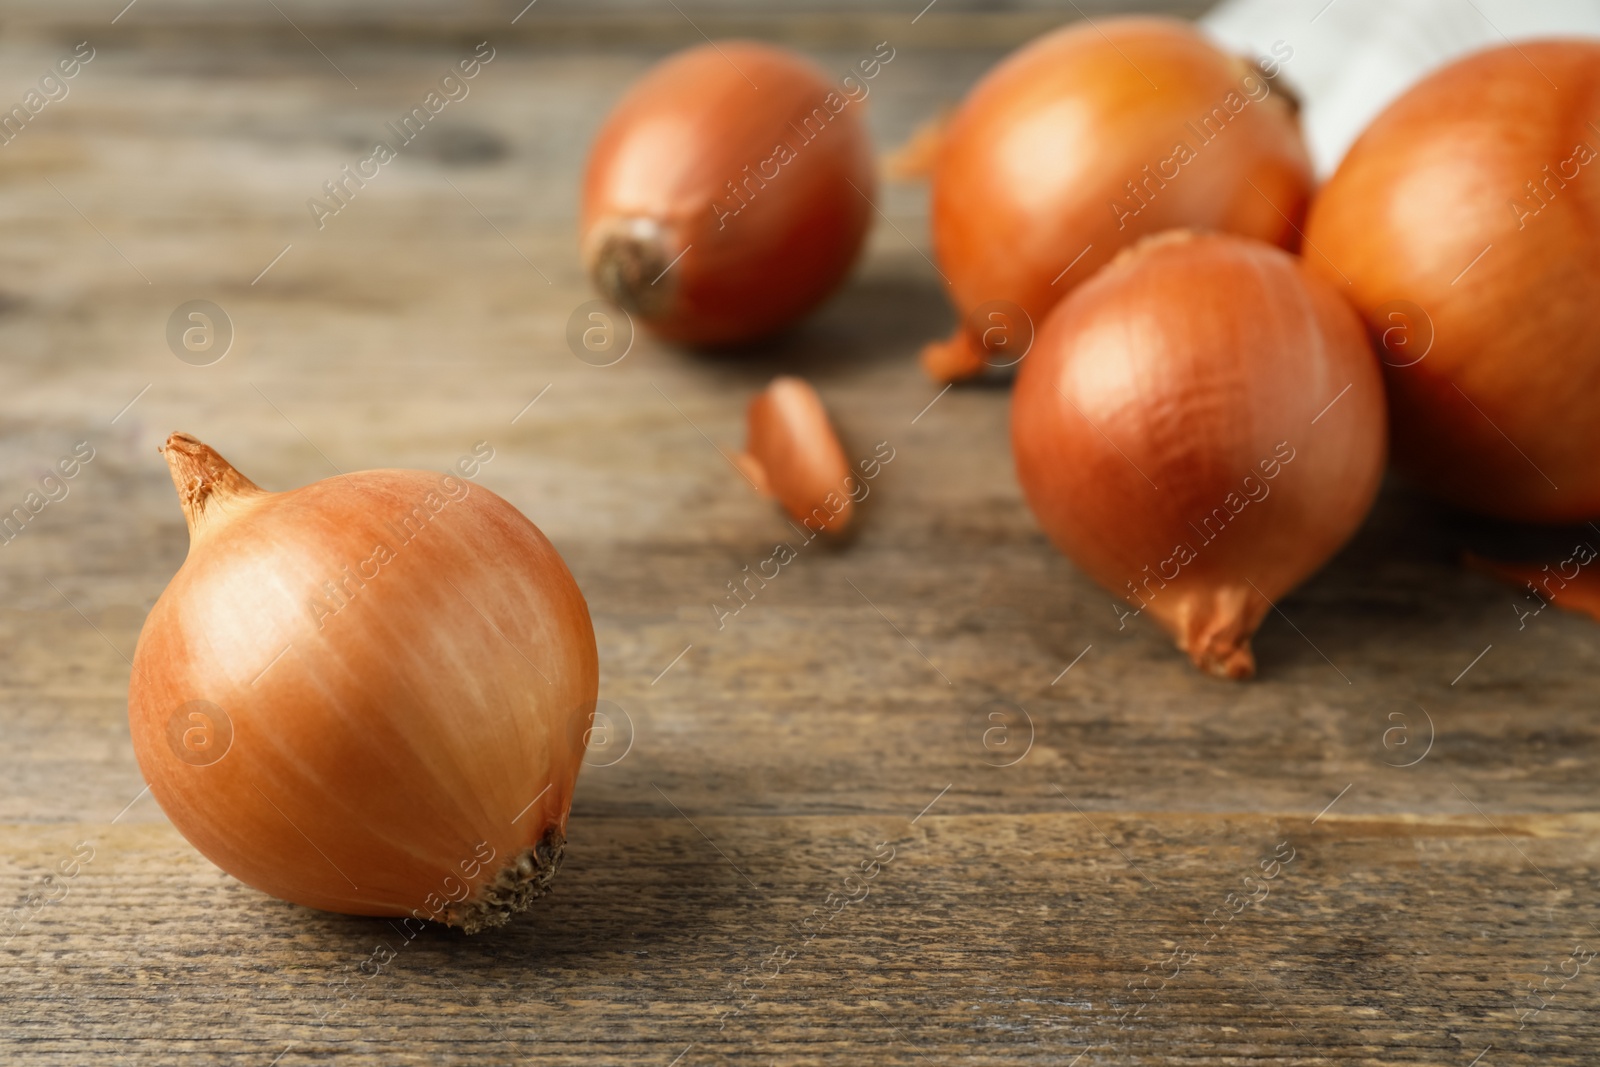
(1502,414)
(1032,162)
(1174,384)
(793,454)
(400,754)
(667,178)
(1546,584)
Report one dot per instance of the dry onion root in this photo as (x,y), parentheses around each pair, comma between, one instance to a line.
(368,695)
(1200,427)
(792,454)
(1463,223)
(727,194)
(1089,139)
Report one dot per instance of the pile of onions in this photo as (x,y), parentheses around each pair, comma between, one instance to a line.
(369,695)
(727,194)
(1469,214)
(1087,140)
(793,455)
(1199,427)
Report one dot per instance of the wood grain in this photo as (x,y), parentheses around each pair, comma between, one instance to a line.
(847,697)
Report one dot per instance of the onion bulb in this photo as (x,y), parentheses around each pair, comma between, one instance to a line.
(1464,223)
(792,453)
(368,695)
(1199,427)
(1087,140)
(727,194)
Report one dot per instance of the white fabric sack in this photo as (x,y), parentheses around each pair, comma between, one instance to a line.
(1351,58)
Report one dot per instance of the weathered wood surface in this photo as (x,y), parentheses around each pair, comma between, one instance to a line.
(964,23)
(821,721)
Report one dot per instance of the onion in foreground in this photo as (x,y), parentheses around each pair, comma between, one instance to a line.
(1199,428)
(368,695)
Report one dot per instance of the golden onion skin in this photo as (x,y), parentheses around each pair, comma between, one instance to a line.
(1203,392)
(1480,288)
(727,193)
(392,733)
(793,454)
(1033,166)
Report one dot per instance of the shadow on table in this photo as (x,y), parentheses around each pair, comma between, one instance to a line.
(872,321)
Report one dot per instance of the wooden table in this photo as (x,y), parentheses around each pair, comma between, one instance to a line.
(840,717)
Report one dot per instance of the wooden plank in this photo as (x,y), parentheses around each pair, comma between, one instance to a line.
(349,26)
(344,14)
(1380,940)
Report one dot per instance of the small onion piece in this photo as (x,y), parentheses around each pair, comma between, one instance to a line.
(727,194)
(1464,225)
(792,453)
(1087,140)
(368,695)
(1200,427)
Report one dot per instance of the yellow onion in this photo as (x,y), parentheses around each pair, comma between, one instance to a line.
(1089,139)
(728,192)
(368,695)
(1465,225)
(1199,427)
